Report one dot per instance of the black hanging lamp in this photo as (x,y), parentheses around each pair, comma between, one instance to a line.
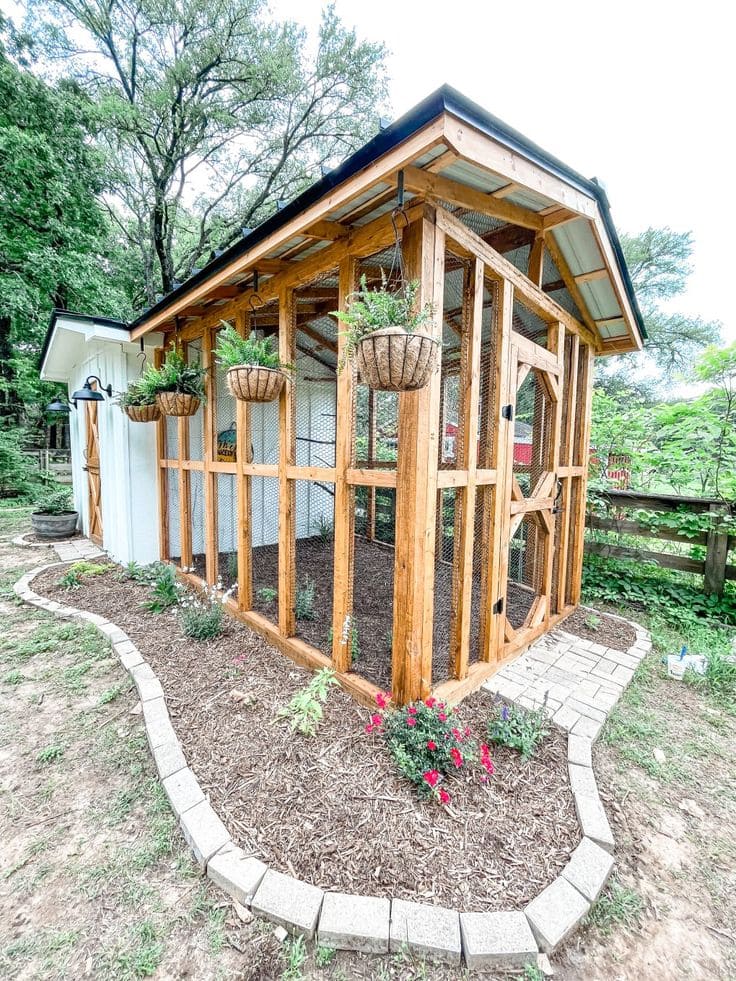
(88,394)
(58,408)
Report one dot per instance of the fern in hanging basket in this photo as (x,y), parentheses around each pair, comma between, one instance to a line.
(178,386)
(255,372)
(139,402)
(386,333)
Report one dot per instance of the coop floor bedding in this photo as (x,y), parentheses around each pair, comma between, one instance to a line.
(331,809)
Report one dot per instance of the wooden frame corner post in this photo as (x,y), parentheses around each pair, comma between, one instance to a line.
(416,484)
(287,458)
(244,489)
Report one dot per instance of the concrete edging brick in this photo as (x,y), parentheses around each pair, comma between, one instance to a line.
(505,939)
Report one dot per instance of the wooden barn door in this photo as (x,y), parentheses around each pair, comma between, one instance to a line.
(92,466)
(531,488)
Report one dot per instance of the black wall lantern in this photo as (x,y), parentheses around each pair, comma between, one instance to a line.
(58,408)
(88,394)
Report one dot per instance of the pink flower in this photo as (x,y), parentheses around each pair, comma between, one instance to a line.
(376,720)
(430,702)
(431,777)
(483,778)
(431,745)
(369,728)
(444,797)
(383,698)
(412,709)
(457,734)
(411,721)
(442,717)
(457,757)
(485,759)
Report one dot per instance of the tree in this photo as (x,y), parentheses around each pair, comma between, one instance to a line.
(210,114)
(659,263)
(55,246)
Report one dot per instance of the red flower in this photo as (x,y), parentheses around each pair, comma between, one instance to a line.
(485,759)
(432,745)
(411,721)
(457,757)
(444,797)
(431,777)
(467,730)
(430,702)
(412,709)
(383,698)
(377,720)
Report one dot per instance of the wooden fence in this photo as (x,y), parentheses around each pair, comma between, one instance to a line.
(714,568)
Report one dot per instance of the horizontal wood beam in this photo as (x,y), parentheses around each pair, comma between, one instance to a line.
(589,277)
(444,189)
(329,230)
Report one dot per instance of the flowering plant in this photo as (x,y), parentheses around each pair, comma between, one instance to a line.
(428,744)
(200,614)
(518,728)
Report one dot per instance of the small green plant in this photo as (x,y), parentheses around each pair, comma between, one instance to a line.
(56,502)
(295,954)
(50,754)
(266,594)
(201,614)
(719,678)
(592,622)
(174,375)
(13,677)
(110,694)
(137,393)
(618,906)
(75,575)
(304,711)
(304,606)
(233,350)
(354,643)
(518,728)
(232,567)
(370,310)
(324,956)
(165,591)
(324,530)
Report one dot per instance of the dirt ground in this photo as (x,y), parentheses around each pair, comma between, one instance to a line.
(95,881)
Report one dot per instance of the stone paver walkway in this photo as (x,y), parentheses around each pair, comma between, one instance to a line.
(581,680)
(77,549)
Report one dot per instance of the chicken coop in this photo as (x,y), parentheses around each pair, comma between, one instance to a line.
(413,541)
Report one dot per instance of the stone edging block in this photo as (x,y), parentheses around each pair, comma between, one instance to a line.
(503,940)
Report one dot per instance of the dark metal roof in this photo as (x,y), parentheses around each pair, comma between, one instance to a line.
(57,312)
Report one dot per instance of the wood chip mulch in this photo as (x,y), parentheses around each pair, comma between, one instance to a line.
(331,809)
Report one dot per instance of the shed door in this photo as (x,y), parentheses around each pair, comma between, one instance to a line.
(531,489)
(92,466)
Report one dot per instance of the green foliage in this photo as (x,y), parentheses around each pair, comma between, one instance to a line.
(201,614)
(324,956)
(592,622)
(138,393)
(19,476)
(719,679)
(75,575)
(518,728)
(324,529)
(424,738)
(370,310)
(232,350)
(295,955)
(304,711)
(50,754)
(267,595)
(55,502)
(618,906)
(174,375)
(165,590)
(304,606)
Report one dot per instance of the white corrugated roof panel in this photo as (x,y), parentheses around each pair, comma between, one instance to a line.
(467,173)
(600,299)
(579,247)
(358,200)
(530,200)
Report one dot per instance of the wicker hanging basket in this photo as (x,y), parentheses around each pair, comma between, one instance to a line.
(177,403)
(142,413)
(254,383)
(390,360)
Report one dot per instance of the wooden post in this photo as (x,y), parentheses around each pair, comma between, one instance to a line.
(505,394)
(344,524)
(209,434)
(287,457)
(556,335)
(162,483)
(185,488)
(716,556)
(568,388)
(468,425)
(582,444)
(244,489)
(416,490)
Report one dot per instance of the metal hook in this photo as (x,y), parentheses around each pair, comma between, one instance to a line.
(144,357)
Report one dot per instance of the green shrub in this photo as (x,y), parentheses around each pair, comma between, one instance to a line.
(55,502)
(166,590)
(75,575)
(304,606)
(201,614)
(518,728)
(19,475)
(304,711)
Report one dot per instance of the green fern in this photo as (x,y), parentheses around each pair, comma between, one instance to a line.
(232,350)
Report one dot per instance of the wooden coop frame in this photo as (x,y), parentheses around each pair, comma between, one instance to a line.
(519,336)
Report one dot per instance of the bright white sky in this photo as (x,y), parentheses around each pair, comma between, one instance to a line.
(638,93)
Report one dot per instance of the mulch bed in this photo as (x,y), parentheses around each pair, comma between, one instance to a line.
(601,629)
(331,809)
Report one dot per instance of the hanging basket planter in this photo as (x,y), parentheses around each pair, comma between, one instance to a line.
(142,413)
(255,383)
(177,403)
(392,360)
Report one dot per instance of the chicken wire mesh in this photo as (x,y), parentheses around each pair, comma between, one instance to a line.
(172,437)
(265,549)
(532,433)
(196,422)
(197,512)
(314,567)
(482,601)
(264,416)
(454,364)
(529,325)
(373,592)
(581,451)
(223,407)
(227,529)
(173,515)
(316,371)
(447,536)
(526,570)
